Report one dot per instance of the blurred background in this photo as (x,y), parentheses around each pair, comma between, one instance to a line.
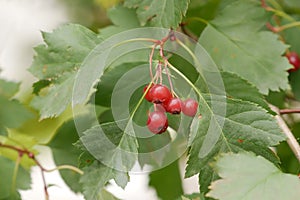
(21,23)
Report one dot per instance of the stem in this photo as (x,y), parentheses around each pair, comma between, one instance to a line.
(75,169)
(142,98)
(189,51)
(160,73)
(199,19)
(169,79)
(185,78)
(187,32)
(279,13)
(200,97)
(14,148)
(15,173)
(151,59)
(275,5)
(291,140)
(45,185)
(289,111)
(137,40)
(272,28)
(31,155)
(287,26)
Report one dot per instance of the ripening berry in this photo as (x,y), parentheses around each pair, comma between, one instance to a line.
(157,122)
(189,107)
(160,94)
(173,106)
(294,60)
(148,97)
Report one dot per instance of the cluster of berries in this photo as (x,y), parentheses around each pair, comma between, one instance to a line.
(164,101)
(294,60)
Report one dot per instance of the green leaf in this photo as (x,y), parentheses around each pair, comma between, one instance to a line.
(239,88)
(123,17)
(8,89)
(105,195)
(107,3)
(85,158)
(3,131)
(292,5)
(236,88)
(246,176)
(202,10)
(65,49)
(294,81)
(56,100)
(64,153)
(108,81)
(277,99)
(58,62)
(206,176)
(21,141)
(111,145)
(161,13)
(167,187)
(194,196)
(39,85)
(12,113)
(237,45)
(94,179)
(245,127)
(23,180)
(291,35)
(48,127)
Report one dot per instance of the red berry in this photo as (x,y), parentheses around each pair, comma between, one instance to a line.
(160,94)
(173,106)
(159,107)
(294,60)
(148,96)
(157,122)
(189,107)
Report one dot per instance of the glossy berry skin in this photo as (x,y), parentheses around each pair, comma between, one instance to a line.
(160,94)
(294,60)
(160,107)
(189,107)
(157,122)
(173,106)
(148,96)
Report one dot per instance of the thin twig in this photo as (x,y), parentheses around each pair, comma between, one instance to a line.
(291,140)
(151,59)
(289,111)
(169,78)
(188,32)
(31,155)
(45,184)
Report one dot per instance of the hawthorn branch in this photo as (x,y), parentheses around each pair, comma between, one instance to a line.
(31,155)
(291,140)
(21,152)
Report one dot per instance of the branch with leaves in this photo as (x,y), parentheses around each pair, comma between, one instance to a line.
(31,155)
(291,140)
(229,73)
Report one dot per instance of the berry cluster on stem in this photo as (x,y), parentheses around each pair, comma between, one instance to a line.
(164,99)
